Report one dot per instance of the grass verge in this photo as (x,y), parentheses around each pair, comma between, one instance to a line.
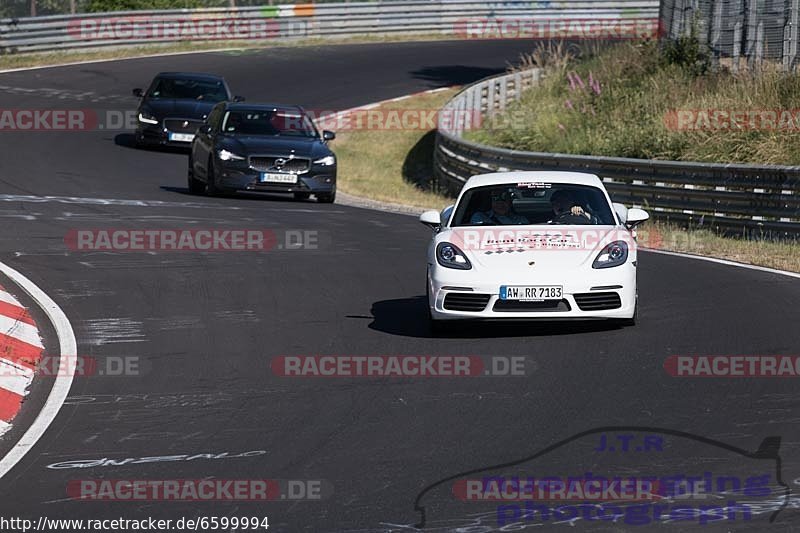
(635,100)
(391,164)
(36,59)
(385,165)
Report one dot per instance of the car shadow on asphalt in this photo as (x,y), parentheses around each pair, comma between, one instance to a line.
(262,197)
(128,140)
(408,317)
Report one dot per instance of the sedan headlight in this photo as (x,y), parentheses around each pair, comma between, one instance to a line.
(326,161)
(225,155)
(147,118)
(613,254)
(448,255)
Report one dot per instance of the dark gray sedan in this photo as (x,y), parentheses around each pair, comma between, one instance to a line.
(262,148)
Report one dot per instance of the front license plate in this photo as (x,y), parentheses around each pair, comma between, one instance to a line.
(531,293)
(278,178)
(181,137)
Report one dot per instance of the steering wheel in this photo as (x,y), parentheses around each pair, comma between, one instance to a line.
(568,219)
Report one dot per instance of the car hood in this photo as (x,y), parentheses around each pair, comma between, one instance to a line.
(551,248)
(273,145)
(166,108)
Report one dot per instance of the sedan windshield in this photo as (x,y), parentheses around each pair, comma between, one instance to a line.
(180,89)
(269,122)
(533,204)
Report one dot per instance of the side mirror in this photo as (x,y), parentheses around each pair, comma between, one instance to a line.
(238,98)
(445,214)
(621,211)
(635,217)
(205,129)
(431,219)
(138,93)
(328,135)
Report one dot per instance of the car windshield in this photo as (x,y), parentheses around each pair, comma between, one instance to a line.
(533,203)
(268,122)
(188,89)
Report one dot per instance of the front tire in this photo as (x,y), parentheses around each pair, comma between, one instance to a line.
(195,186)
(211,183)
(326,198)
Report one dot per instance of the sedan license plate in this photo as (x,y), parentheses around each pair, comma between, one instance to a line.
(266,177)
(531,293)
(181,137)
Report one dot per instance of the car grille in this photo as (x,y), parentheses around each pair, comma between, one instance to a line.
(598,301)
(179,125)
(556,306)
(267,164)
(466,301)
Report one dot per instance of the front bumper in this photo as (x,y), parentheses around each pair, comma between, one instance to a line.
(157,135)
(317,180)
(577,286)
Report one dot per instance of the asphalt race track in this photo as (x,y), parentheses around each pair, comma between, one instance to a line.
(205,326)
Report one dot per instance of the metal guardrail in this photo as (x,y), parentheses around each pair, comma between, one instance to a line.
(728,197)
(292,21)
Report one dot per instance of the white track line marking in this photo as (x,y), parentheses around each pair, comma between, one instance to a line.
(4,426)
(66,372)
(724,262)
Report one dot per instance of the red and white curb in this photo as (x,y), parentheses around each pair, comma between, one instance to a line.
(20,350)
(23,331)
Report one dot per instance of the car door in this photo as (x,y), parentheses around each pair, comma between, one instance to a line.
(203,145)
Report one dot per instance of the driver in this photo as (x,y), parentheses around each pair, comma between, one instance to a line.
(564,204)
(501,213)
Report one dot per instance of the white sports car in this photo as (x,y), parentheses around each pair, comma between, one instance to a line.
(533,245)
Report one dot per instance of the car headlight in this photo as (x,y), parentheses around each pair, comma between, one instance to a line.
(326,161)
(225,155)
(448,255)
(147,118)
(612,254)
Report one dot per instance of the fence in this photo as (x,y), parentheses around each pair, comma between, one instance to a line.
(457,18)
(737,31)
(732,198)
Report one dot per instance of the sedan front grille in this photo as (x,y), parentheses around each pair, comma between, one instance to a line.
(555,306)
(598,301)
(288,164)
(179,125)
(466,301)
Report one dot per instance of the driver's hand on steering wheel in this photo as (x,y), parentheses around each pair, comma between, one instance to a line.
(578,211)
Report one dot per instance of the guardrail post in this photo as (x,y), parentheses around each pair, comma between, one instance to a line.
(789,60)
(491,84)
(716,32)
(517,85)
(751,30)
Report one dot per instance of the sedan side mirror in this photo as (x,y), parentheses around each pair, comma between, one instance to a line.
(328,135)
(636,216)
(138,93)
(431,219)
(238,98)
(204,129)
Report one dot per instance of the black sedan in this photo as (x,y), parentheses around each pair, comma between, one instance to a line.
(175,105)
(263,148)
